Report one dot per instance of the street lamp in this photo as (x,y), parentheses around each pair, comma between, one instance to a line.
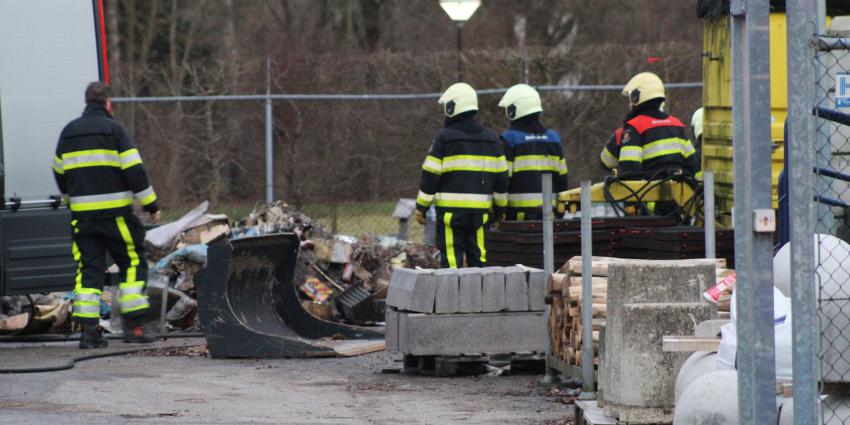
(460,11)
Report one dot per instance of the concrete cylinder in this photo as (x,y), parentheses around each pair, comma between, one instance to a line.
(711,399)
(698,364)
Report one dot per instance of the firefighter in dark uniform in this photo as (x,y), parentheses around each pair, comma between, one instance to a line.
(99,169)
(654,144)
(465,176)
(531,150)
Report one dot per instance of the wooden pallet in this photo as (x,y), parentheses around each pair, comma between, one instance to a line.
(587,412)
(444,366)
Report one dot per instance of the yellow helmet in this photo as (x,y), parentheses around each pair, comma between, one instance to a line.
(521,100)
(644,86)
(459,98)
(696,123)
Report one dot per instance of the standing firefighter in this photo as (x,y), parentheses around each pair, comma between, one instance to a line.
(531,150)
(465,176)
(100,170)
(653,142)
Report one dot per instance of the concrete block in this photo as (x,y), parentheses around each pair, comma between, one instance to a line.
(412,290)
(645,302)
(536,289)
(401,287)
(469,290)
(709,328)
(447,291)
(516,289)
(492,291)
(424,294)
(471,334)
(391,330)
(666,281)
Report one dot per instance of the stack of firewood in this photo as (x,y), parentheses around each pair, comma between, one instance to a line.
(565,317)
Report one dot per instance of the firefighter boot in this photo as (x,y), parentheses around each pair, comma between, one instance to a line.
(134,331)
(92,338)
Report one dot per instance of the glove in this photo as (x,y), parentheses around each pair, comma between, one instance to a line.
(420,217)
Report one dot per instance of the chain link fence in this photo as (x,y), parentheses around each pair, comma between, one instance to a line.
(345,163)
(832,253)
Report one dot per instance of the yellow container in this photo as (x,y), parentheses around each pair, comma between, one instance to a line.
(717,101)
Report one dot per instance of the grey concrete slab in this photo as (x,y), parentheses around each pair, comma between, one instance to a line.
(516,289)
(469,288)
(391,330)
(536,289)
(424,293)
(472,334)
(492,291)
(447,298)
(401,287)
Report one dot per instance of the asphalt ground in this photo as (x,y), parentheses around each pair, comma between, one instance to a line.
(183,386)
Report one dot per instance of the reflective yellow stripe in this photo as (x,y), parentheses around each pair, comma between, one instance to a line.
(57,165)
(101,202)
(608,159)
(562,167)
(424,199)
(131,248)
(450,242)
(463,200)
(537,163)
(90,158)
(500,199)
(669,146)
(147,196)
(489,164)
(480,239)
(520,216)
(130,158)
(433,165)
(631,153)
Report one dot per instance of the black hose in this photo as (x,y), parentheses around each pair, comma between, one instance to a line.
(75,337)
(70,364)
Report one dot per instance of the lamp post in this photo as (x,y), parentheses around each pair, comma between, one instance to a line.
(460,11)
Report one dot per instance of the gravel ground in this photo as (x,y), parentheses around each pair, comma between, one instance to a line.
(187,388)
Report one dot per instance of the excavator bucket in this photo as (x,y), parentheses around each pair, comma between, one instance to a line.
(249,308)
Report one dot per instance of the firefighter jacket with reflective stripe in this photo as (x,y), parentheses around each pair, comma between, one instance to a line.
(97,166)
(610,155)
(654,141)
(529,156)
(465,170)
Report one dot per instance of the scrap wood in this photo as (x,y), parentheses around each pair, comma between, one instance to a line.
(675,344)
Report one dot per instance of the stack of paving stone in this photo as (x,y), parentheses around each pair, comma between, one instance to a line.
(466,312)
(522,241)
(671,243)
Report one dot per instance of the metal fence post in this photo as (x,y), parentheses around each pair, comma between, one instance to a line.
(588,384)
(708,214)
(753,250)
(801,24)
(269,140)
(548,262)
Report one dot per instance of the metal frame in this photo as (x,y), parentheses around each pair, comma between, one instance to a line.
(753,251)
(801,17)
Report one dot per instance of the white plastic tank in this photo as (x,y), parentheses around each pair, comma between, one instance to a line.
(711,399)
(832,260)
(698,364)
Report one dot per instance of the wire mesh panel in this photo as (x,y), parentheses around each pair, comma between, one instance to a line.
(832,253)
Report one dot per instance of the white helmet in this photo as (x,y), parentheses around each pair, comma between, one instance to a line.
(521,100)
(643,87)
(696,123)
(459,98)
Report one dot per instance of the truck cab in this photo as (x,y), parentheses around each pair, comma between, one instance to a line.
(49,51)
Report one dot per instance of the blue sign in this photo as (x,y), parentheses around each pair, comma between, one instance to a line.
(842,90)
